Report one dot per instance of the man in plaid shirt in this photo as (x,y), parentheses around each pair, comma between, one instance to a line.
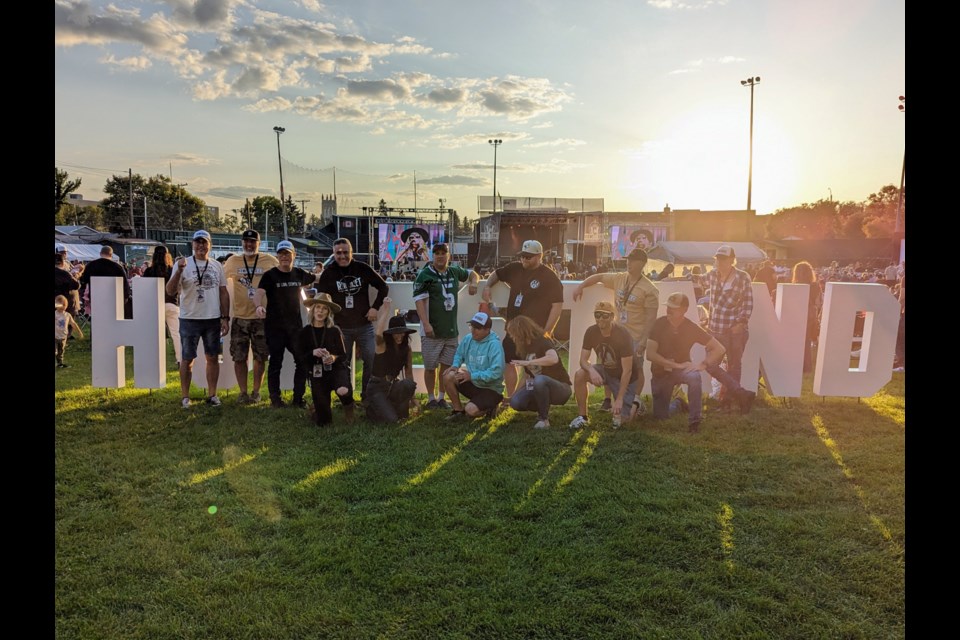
(731,304)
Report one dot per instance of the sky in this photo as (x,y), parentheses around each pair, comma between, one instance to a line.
(639,102)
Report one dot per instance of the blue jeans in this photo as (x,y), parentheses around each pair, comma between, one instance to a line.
(364,337)
(663,384)
(546,391)
(734,343)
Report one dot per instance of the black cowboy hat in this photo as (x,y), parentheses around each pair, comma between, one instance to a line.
(423,233)
(398,325)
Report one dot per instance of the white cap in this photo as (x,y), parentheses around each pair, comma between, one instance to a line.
(480,318)
(200,234)
(531,246)
(285,245)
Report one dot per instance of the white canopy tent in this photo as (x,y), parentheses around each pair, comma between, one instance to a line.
(83,252)
(689,252)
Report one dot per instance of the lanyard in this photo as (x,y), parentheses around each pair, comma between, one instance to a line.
(200,274)
(251,272)
(445,278)
(626,296)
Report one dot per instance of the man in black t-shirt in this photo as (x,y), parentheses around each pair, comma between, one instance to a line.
(668,350)
(348,282)
(280,287)
(535,292)
(614,368)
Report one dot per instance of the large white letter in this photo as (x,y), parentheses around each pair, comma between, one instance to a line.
(111,333)
(777,339)
(841,302)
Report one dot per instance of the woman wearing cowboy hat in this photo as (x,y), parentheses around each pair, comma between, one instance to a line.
(415,245)
(389,397)
(324,358)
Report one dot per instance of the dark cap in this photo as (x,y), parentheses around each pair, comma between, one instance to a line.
(251,234)
(637,254)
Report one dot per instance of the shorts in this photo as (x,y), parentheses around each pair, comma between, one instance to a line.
(613,382)
(243,334)
(484,399)
(191,331)
(437,351)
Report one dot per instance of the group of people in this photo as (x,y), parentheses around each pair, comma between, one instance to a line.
(476,375)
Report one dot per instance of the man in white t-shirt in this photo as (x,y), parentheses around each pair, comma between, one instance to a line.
(204,314)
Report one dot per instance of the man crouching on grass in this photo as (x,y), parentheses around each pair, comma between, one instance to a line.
(477,371)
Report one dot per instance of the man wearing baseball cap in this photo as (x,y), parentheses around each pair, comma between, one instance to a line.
(204,314)
(277,301)
(731,305)
(246,329)
(668,350)
(636,299)
(535,292)
(477,371)
(614,367)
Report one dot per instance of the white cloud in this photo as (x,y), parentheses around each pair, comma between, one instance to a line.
(695,66)
(455,181)
(282,63)
(568,142)
(136,63)
(680,4)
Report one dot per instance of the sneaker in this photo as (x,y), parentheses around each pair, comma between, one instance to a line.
(213,401)
(432,404)
(277,403)
(185,403)
(580,422)
(443,404)
(456,416)
(639,406)
(607,405)
(63,365)
(255,397)
(617,421)
(746,399)
(542,424)
(243,398)
(898,369)
(695,427)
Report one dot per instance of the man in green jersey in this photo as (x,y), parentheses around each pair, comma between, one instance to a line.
(435,294)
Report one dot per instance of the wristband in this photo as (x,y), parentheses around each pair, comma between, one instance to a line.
(224,317)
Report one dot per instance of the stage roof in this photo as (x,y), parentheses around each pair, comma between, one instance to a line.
(687,252)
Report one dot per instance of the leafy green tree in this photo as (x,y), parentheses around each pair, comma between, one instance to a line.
(268,207)
(164,202)
(62,188)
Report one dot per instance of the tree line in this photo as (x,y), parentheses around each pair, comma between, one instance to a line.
(170,206)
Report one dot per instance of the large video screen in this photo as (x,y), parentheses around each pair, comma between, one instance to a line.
(404,243)
(626,238)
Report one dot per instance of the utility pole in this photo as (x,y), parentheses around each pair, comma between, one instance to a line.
(303,210)
(130,180)
(180,187)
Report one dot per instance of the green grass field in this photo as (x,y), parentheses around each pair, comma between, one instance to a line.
(250,522)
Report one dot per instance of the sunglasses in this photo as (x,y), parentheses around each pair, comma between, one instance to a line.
(602,315)
(528,256)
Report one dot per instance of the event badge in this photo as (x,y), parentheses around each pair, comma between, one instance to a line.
(448,302)
(348,303)
(251,293)
(318,371)
(623,316)
(518,301)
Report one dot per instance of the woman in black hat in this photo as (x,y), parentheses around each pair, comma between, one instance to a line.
(415,245)
(389,397)
(324,359)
